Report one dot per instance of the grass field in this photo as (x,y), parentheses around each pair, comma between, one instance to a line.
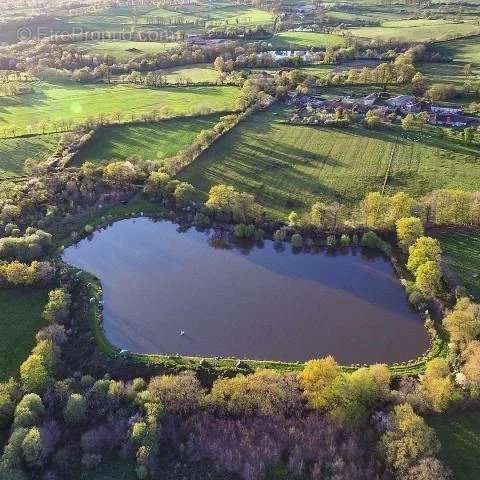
(415,30)
(290,167)
(459,434)
(76,102)
(14,152)
(287,40)
(150,141)
(445,72)
(465,50)
(20,319)
(462,255)
(122,50)
(236,15)
(195,73)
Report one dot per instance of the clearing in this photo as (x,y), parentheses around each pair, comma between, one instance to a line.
(151,141)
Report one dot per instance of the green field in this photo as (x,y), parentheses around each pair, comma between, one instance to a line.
(195,73)
(459,434)
(290,167)
(75,103)
(462,254)
(122,50)
(465,50)
(20,319)
(287,40)
(150,141)
(445,72)
(236,15)
(415,30)
(14,152)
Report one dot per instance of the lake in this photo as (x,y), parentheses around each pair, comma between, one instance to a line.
(248,301)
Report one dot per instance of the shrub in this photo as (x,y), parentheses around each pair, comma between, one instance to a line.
(297,240)
(244,231)
(331,241)
(75,410)
(344,240)
(279,236)
(201,220)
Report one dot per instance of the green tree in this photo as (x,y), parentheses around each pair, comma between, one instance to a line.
(425,249)
(184,193)
(407,439)
(463,322)
(75,410)
(428,278)
(33,449)
(409,229)
(437,386)
(319,380)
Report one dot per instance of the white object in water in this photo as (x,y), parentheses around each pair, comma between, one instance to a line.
(182,332)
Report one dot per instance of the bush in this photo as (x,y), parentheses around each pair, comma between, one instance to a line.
(331,241)
(371,240)
(244,231)
(344,240)
(201,220)
(297,240)
(279,236)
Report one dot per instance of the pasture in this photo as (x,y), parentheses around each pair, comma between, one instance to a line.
(14,152)
(464,50)
(289,167)
(20,319)
(459,434)
(236,15)
(194,74)
(307,40)
(462,257)
(122,50)
(74,103)
(153,142)
(420,30)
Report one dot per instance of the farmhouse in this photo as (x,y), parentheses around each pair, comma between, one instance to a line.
(404,103)
(446,109)
(449,120)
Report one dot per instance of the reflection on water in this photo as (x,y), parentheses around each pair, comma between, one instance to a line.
(249,301)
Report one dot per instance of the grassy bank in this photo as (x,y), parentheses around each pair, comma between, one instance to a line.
(20,319)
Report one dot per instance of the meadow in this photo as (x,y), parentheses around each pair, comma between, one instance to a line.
(123,50)
(307,40)
(289,167)
(462,256)
(459,434)
(464,50)
(14,152)
(153,142)
(194,73)
(236,15)
(76,103)
(20,319)
(415,30)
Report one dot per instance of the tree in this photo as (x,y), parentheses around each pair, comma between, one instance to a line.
(425,249)
(32,448)
(428,278)
(407,439)
(318,214)
(184,193)
(75,410)
(156,184)
(428,468)
(463,322)
(471,367)
(437,387)
(120,174)
(228,201)
(374,208)
(409,229)
(57,309)
(419,84)
(319,380)
(34,375)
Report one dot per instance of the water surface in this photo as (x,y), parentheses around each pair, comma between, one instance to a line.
(257,302)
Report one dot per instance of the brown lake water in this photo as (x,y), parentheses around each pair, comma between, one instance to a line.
(257,301)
